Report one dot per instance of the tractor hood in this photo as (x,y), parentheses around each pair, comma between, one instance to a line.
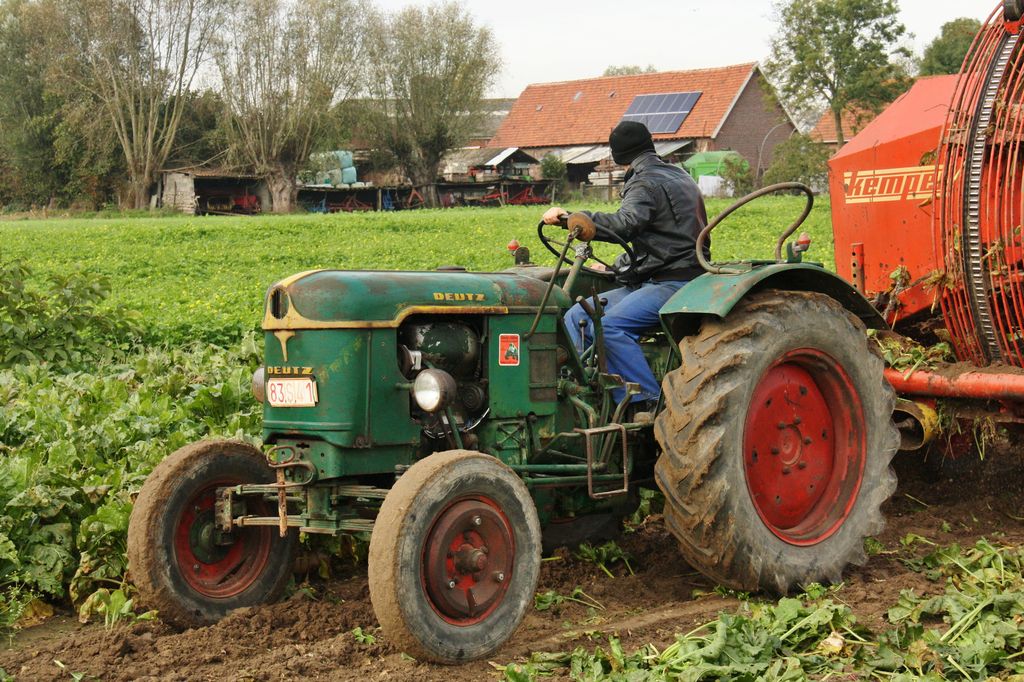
(334,299)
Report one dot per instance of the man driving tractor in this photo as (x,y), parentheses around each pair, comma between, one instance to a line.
(662,213)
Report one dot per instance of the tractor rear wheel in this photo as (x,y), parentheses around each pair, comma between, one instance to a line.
(776,441)
(454,557)
(176,558)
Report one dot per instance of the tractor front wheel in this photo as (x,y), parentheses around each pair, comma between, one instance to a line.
(776,436)
(181,564)
(454,557)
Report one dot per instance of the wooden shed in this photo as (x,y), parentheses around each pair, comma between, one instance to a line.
(211,191)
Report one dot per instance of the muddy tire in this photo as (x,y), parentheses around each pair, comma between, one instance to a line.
(454,557)
(776,440)
(174,560)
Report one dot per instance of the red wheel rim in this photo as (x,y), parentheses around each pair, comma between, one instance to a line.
(467,560)
(213,566)
(804,446)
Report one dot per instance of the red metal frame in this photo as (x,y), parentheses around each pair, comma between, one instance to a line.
(978,385)
(526,196)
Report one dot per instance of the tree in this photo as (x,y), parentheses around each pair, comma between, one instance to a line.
(737,174)
(284,65)
(553,169)
(629,70)
(27,119)
(838,52)
(799,159)
(55,148)
(136,60)
(429,70)
(946,53)
(201,138)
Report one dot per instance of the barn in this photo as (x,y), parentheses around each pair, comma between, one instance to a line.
(715,109)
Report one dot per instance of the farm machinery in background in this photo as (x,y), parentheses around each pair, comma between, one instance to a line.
(449,416)
(927,218)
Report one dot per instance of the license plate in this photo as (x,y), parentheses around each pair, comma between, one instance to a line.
(291,392)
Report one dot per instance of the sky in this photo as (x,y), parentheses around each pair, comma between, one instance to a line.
(557,40)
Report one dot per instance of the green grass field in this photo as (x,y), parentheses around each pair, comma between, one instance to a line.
(205,277)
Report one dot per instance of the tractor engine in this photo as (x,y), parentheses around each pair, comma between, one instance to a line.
(926,201)
(455,347)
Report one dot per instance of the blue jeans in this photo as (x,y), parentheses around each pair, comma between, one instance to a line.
(630,311)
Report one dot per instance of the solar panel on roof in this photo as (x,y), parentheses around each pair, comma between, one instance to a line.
(662,113)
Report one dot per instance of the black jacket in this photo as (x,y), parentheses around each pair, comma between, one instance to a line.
(662,213)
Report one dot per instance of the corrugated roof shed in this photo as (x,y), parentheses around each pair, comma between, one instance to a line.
(584,112)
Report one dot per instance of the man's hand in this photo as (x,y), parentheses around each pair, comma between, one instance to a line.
(553,215)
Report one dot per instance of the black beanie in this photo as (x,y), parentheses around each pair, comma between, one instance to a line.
(628,141)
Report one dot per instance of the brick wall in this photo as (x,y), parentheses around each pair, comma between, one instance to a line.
(752,119)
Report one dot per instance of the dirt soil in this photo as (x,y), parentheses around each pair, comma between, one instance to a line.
(311,637)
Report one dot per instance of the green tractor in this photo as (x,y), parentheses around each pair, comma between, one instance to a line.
(449,416)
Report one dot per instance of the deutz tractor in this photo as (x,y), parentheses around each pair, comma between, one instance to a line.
(449,416)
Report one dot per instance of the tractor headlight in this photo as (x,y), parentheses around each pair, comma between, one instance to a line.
(433,389)
(259,384)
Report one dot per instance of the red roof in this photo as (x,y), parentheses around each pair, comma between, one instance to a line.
(585,111)
(923,108)
(935,91)
(853,122)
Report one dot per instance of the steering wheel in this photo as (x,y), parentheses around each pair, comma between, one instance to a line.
(550,243)
(702,238)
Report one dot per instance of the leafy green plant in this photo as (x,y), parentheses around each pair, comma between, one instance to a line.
(973,630)
(76,446)
(904,354)
(363,637)
(58,322)
(115,607)
(14,601)
(651,502)
(543,601)
(789,640)
(981,613)
(873,547)
(604,555)
(726,592)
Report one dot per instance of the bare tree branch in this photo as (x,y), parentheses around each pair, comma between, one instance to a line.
(137,59)
(283,66)
(429,71)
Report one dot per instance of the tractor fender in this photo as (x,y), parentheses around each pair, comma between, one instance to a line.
(717,294)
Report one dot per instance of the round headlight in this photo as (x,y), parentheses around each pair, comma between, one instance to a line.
(433,389)
(259,384)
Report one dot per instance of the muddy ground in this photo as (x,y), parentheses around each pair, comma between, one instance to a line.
(311,637)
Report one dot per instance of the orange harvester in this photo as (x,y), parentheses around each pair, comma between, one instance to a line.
(926,200)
